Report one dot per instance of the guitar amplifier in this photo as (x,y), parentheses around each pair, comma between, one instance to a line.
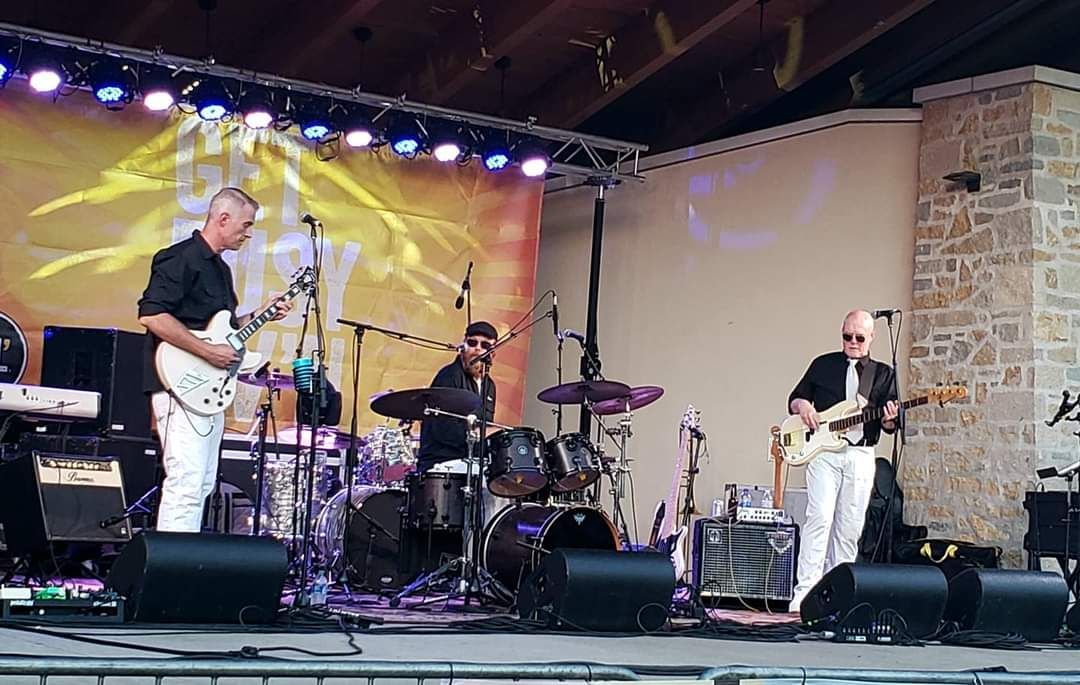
(745,560)
(48,498)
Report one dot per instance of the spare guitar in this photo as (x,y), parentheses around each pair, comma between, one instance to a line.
(203,388)
(665,537)
(800,445)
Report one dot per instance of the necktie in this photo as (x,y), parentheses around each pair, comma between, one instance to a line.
(851,392)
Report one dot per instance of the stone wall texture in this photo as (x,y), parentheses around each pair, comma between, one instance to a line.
(996,307)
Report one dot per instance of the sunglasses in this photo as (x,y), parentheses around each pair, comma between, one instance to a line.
(857,336)
(483,344)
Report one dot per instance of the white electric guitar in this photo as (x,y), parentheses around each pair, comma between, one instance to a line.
(200,386)
(800,444)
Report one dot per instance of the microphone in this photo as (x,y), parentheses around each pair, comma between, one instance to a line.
(309,220)
(465,286)
(884,313)
(571,333)
(555,314)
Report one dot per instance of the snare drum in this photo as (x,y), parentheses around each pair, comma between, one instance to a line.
(516,463)
(572,462)
(522,534)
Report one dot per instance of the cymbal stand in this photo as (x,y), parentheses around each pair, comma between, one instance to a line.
(619,473)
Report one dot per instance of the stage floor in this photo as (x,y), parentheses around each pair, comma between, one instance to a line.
(419,635)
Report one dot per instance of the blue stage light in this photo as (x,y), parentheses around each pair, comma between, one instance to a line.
(494,153)
(406,138)
(111,84)
(211,101)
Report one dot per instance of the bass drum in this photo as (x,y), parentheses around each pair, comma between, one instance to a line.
(522,534)
(367,544)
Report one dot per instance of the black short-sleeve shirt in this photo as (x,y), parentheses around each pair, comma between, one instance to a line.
(190,281)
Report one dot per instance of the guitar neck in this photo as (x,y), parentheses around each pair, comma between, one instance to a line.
(872,414)
(252,327)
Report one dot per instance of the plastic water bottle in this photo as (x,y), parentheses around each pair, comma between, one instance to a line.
(319,589)
(766,499)
(745,500)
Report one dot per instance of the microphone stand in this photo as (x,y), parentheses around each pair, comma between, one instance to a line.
(558,377)
(899,441)
(318,394)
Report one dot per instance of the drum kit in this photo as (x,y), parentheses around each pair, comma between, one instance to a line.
(546,494)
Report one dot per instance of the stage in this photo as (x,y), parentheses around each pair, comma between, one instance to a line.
(411,642)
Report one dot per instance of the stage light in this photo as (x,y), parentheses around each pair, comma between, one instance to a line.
(494,153)
(446,144)
(406,139)
(111,84)
(314,121)
(359,131)
(45,74)
(257,109)
(211,101)
(157,88)
(8,59)
(533,159)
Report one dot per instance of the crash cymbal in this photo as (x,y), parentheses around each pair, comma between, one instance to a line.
(410,404)
(268,377)
(579,391)
(641,396)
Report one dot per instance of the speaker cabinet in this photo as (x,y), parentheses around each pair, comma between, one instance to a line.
(858,601)
(138,457)
(745,560)
(1030,603)
(588,589)
(46,498)
(200,578)
(104,360)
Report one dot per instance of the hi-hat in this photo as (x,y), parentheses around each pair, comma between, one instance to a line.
(265,377)
(580,391)
(641,396)
(410,404)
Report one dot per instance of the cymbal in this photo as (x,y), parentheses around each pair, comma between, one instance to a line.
(410,404)
(268,377)
(579,391)
(641,396)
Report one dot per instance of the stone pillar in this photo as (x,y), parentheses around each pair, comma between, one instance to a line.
(996,300)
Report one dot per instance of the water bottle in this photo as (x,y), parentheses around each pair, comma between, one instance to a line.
(745,500)
(766,499)
(319,589)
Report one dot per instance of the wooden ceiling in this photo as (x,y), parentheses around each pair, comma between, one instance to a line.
(665,72)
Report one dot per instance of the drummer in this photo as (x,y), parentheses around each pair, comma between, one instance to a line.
(442,439)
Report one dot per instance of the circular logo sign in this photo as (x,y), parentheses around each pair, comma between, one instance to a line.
(12,350)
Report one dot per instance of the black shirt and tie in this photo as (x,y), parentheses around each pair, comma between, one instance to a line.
(823,385)
(443,438)
(192,283)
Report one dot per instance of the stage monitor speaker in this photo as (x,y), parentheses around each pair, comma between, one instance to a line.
(859,602)
(587,589)
(104,360)
(1029,603)
(200,578)
(1072,619)
(46,498)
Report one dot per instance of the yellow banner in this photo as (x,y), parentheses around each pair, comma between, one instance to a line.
(87,196)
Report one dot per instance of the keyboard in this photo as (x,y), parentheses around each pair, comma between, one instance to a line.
(36,401)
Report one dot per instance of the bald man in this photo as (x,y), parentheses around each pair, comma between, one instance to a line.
(838,484)
(189,283)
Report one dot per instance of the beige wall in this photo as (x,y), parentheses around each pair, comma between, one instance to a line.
(724,275)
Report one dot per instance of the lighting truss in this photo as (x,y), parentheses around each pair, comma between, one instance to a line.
(595,158)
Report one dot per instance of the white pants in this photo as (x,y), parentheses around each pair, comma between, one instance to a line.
(190,448)
(838,487)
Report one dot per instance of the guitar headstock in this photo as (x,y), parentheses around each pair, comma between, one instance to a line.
(947,393)
(691,418)
(303,281)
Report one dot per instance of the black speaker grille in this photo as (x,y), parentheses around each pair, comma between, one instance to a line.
(748,560)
